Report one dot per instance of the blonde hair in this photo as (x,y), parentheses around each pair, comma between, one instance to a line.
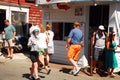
(77,23)
(42,29)
(48,27)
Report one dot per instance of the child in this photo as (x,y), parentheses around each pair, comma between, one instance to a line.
(33,42)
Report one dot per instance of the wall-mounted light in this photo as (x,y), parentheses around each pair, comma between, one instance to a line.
(94,2)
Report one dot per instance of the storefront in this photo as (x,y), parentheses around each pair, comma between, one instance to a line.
(62,13)
(15,14)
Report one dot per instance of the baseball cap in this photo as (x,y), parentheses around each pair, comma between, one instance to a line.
(101,27)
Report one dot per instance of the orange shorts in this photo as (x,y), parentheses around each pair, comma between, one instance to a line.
(74,52)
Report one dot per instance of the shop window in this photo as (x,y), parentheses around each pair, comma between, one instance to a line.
(61,30)
(18,19)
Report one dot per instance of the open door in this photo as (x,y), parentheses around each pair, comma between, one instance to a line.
(99,15)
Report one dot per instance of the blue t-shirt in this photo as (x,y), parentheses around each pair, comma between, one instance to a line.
(76,36)
(9,30)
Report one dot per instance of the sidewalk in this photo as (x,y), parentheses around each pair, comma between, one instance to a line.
(20,65)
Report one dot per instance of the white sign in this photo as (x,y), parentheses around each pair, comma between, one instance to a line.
(51,1)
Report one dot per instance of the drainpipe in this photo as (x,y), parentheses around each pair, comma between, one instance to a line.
(19,4)
(91,58)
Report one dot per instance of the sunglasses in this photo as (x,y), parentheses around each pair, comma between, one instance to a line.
(113,34)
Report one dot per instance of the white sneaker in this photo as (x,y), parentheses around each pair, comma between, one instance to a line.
(72,71)
(77,71)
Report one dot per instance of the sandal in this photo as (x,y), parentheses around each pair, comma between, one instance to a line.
(94,72)
(49,70)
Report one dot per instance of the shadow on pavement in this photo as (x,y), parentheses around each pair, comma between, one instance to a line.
(65,70)
(27,76)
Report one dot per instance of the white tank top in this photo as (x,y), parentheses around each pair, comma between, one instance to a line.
(100,40)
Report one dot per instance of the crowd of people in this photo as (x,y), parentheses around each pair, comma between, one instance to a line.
(42,47)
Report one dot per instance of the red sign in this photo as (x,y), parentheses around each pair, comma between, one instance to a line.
(48,0)
(65,7)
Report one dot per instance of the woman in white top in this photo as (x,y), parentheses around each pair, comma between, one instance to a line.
(50,45)
(43,40)
(50,35)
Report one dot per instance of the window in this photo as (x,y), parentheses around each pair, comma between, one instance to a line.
(61,30)
(18,19)
(2,18)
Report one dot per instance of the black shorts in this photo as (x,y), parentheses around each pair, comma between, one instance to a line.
(34,56)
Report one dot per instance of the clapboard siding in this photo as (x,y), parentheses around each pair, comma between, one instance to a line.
(60,53)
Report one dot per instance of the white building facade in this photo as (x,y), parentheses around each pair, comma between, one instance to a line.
(91,13)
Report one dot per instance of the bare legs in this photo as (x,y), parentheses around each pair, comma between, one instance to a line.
(10,52)
(74,63)
(34,70)
(43,60)
(100,63)
(110,71)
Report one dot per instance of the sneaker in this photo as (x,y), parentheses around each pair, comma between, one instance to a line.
(37,79)
(112,75)
(48,71)
(32,78)
(77,71)
(94,72)
(72,71)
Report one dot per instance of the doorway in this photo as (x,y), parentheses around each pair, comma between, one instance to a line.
(2,18)
(99,15)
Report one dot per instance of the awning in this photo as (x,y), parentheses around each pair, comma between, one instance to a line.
(40,2)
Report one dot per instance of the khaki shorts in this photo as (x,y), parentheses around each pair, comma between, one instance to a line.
(9,43)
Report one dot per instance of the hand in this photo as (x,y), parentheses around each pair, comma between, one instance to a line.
(32,42)
(67,46)
(13,39)
(82,45)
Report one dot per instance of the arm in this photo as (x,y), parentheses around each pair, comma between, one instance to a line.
(93,39)
(30,42)
(14,34)
(68,43)
(107,45)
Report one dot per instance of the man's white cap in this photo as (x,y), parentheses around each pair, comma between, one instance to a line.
(101,27)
